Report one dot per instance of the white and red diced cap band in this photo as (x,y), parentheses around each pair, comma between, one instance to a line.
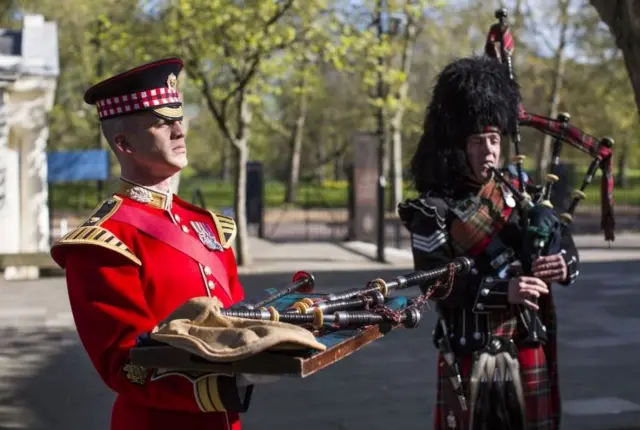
(141,100)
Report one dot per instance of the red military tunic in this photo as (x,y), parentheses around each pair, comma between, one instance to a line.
(122,282)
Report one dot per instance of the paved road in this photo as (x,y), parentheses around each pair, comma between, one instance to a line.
(47,383)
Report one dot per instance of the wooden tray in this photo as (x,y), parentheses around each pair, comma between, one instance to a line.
(295,363)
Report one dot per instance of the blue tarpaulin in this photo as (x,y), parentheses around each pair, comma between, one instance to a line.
(72,166)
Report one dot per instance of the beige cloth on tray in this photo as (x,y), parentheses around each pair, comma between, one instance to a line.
(198,327)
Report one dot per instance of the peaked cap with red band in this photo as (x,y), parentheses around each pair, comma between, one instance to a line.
(150,87)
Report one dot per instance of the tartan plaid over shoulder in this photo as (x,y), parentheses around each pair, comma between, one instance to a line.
(439,234)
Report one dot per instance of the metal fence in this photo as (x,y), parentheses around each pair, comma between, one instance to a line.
(304,223)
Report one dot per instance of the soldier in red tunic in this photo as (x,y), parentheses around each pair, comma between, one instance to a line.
(143,253)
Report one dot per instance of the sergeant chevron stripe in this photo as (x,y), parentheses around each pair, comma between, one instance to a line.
(226,228)
(429,243)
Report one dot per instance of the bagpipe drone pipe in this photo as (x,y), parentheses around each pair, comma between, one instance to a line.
(356,307)
(343,322)
(542,226)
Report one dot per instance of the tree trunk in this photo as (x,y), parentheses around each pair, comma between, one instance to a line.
(225,161)
(296,144)
(338,162)
(623,20)
(319,170)
(395,124)
(623,157)
(544,152)
(396,157)
(241,152)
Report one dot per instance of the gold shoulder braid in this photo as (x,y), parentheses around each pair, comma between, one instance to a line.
(91,233)
(226,228)
(97,236)
(106,209)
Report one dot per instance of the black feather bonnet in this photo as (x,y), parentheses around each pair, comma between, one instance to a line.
(470,95)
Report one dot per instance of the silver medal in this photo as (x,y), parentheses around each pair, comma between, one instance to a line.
(206,236)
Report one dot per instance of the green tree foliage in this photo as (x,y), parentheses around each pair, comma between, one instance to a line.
(235,52)
(268,79)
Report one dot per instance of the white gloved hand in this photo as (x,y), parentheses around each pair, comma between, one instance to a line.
(245,379)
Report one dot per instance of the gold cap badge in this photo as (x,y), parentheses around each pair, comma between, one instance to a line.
(172,81)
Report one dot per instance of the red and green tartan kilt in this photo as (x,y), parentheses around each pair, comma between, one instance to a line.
(542,396)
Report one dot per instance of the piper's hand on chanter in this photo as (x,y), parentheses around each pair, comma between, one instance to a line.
(525,288)
(550,268)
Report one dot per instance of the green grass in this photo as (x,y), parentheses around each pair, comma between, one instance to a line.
(331,194)
(217,195)
(220,194)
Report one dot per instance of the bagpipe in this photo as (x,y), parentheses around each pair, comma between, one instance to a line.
(344,322)
(541,224)
(355,307)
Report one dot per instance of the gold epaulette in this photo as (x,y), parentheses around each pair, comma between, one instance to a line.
(91,233)
(97,236)
(226,227)
(104,211)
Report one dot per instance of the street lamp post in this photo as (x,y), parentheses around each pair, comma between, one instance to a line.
(382,180)
(382,141)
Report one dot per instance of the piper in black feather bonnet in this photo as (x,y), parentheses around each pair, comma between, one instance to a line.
(489,378)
